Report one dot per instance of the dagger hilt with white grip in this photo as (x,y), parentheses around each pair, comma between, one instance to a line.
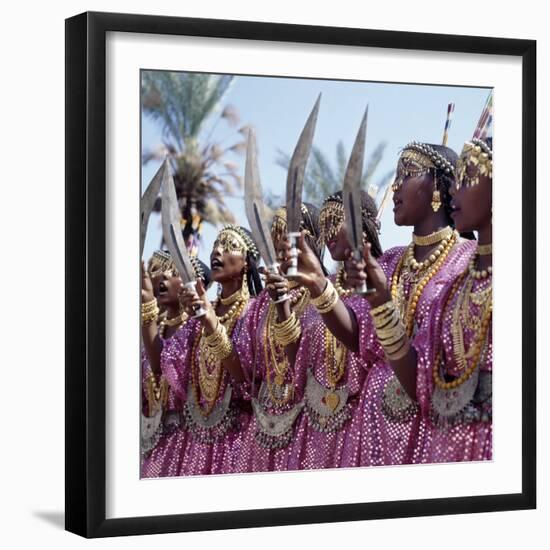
(274,268)
(292,270)
(363,289)
(199,310)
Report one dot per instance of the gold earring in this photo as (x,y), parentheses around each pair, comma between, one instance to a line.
(436,201)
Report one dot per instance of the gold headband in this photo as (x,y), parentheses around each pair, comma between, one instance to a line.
(242,242)
(161,262)
(418,159)
(477,156)
(279,224)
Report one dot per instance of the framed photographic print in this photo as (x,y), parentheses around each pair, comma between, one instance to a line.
(253,337)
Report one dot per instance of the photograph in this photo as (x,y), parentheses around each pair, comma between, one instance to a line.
(316,273)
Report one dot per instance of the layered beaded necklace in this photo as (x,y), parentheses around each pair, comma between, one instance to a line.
(207,381)
(173,322)
(463,318)
(335,351)
(275,357)
(418,274)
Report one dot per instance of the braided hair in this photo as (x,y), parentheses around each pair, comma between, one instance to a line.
(202,271)
(310,221)
(445,180)
(252,274)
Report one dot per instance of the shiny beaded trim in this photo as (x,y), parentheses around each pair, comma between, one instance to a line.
(320,416)
(150,432)
(471,402)
(211,428)
(275,430)
(397,406)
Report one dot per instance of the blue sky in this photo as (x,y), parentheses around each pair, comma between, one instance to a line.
(278,109)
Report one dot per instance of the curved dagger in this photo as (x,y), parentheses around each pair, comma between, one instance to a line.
(254,206)
(295,182)
(148,202)
(171,231)
(352,194)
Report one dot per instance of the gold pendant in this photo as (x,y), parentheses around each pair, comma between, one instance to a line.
(332,399)
(279,379)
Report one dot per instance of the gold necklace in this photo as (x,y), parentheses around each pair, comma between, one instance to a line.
(231,299)
(462,317)
(408,307)
(335,365)
(432,238)
(475,351)
(208,381)
(275,356)
(420,266)
(173,322)
(339,284)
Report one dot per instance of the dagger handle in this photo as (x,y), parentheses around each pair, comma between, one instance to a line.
(292,271)
(199,310)
(363,289)
(273,269)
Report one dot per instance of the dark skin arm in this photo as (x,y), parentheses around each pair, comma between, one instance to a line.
(340,320)
(357,273)
(277,285)
(149,332)
(190,300)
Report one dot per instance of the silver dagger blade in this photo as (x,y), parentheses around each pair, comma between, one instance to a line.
(254,205)
(148,202)
(171,228)
(352,188)
(297,169)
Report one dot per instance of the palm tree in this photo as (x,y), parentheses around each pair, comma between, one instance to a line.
(204,175)
(321,180)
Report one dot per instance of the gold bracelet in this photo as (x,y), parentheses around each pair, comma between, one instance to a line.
(288,331)
(149,312)
(330,305)
(399,353)
(323,297)
(218,343)
(380,309)
(388,322)
(393,337)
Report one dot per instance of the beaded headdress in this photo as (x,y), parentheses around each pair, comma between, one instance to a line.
(332,217)
(417,159)
(241,243)
(279,225)
(476,159)
(161,262)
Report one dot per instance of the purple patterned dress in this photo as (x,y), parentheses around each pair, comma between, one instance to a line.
(393,431)
(207,446)
(162,432)
(328,432)
(277,401)
(460,418)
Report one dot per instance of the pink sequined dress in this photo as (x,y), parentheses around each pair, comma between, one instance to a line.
(162,433)
(327,434)
(276,400)
(208,445)
(393,430)
(460,417)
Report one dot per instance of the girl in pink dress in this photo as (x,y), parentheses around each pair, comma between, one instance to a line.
(456,393)
(329,363)
(162,434)
(277,395)
(396,320)
(199,361)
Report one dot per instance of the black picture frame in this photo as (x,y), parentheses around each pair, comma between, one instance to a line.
(86,285)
